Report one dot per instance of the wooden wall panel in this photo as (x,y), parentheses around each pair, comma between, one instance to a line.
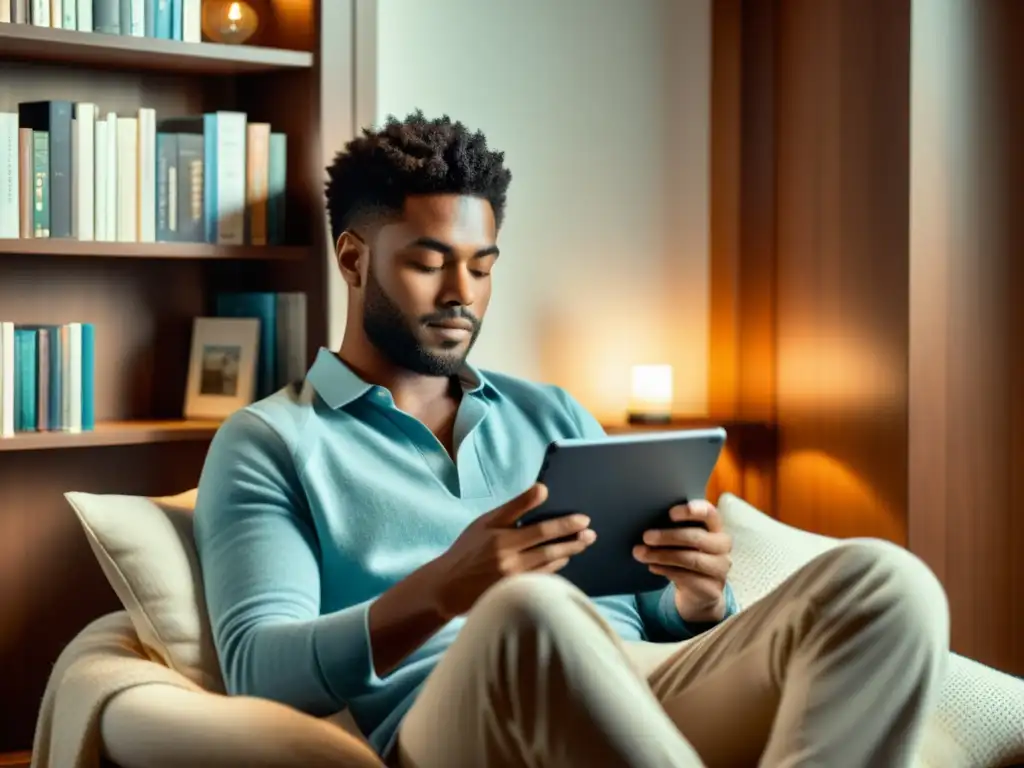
(966,440)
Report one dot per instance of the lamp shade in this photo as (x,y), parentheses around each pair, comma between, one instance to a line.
(650,394)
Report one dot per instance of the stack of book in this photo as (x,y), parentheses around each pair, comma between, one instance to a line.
(46,378)
(161,19)
(68,172)
(281,358)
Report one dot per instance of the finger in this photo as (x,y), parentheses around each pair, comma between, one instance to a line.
(554,567)
(539,557)
(506,515)
(697,511)
(692,538)
(549,530)
(716,566)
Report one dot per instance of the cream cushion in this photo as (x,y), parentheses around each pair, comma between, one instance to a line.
(146,549)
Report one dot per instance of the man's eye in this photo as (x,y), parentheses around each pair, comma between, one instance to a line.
(479,273)
(425,268)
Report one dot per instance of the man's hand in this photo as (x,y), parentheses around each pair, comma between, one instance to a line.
(492,548)
(695,559)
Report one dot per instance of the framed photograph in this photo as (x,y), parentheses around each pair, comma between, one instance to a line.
(222,368)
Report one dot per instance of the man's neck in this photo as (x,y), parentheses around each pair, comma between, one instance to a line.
(412,392)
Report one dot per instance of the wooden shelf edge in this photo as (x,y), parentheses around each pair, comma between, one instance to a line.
(113,433)
(730,425)
(47,246)
(27,42)
(16,759)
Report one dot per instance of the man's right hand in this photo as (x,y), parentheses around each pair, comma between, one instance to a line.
(492,547)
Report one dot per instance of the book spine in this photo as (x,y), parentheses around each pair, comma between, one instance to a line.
(277,180)
(166,187)
(26,181)
(257,161)
(84,16)
(231,156)
(138,17)
(149,22)
(43,379)
(124,15)
(40,14)
(26,355)
(70,14)
(210,191)
(83,185)
(191,208)
(7,377)
(99,189)
(87,383)
(111,177)
(41,184)
(55,416)
(75,370)
(164,23)
(127,179)
(20,13)
(10,208)
(106,16)
(147,175)
(65,377)
(57,14)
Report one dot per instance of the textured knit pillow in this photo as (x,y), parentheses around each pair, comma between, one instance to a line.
(146,550)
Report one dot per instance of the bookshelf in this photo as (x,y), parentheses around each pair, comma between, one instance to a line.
(299,73)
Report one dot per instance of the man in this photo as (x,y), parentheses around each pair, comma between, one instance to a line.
(358,543)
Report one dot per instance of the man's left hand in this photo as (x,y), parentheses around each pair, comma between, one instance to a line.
(694,558)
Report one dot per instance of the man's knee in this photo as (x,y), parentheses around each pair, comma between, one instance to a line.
(886,577)
(529,597)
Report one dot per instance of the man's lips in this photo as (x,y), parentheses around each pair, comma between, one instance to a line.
(453,325)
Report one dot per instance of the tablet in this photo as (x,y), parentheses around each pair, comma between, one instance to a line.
(626,485)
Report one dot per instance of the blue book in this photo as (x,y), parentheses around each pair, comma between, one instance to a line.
(88,376)
(26,351)
(177,23)
(277,182)
(149,18)
(262,306)
(164,24)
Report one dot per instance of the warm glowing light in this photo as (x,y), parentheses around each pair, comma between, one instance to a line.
(229,22)
(651,393)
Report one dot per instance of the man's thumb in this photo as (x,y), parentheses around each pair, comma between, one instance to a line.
(508,513)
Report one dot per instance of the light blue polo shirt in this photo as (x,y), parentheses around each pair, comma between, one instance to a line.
(319,498)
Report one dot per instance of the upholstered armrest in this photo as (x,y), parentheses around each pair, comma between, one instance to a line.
(165,726)
(979,722)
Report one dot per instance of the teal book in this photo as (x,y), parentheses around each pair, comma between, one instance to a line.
(25,387)
(262,306)
(277,176)
(88,376)
(164,21)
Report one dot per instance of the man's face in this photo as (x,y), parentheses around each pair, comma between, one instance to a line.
(428,282)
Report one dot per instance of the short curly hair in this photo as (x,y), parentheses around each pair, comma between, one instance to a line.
(377,171)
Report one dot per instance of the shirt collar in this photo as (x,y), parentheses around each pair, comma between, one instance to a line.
(338,385)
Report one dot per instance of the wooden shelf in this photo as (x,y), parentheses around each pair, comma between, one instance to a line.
(26,42)
(113,433)
(47,246)
(730,425)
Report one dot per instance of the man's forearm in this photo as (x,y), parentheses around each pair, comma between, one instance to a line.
(402,619)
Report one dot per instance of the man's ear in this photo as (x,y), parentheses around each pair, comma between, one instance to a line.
(351,252)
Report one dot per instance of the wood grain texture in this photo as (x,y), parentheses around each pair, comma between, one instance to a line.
(52,246)
(966,449)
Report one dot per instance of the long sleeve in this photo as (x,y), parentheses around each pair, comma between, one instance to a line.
(661,620)
(260,561)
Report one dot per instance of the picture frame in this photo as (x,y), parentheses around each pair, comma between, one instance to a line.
(222,367)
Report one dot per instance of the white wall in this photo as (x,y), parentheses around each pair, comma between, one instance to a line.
(603,110)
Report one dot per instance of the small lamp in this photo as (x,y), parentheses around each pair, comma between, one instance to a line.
(650,399)
(229,21)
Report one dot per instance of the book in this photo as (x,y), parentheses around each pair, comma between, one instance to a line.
(47,378)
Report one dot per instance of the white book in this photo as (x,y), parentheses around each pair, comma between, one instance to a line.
(6,379)
(9,179)
(127,179)
(138,24)
(70,14)
(231,159)
(65,380)
(147,175)
(5,12)
(192,21)
(57,14)
(40,13)
(83,172)
(84,16)
(99,190)
(111,174)
(74,373)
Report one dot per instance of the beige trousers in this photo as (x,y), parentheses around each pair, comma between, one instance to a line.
(838,667)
